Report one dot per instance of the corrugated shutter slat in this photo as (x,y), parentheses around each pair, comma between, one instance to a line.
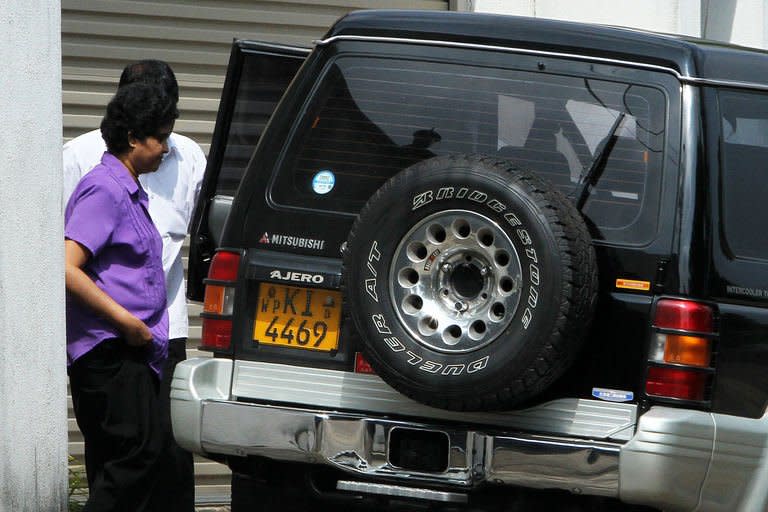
(100,36)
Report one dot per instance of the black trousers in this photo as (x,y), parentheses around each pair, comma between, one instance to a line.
(176,474)
(132,460)
(115,397)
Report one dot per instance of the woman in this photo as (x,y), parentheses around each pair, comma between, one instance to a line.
(117,324)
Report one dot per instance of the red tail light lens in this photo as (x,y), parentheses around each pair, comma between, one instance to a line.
(362,365)
(217,334)
(676,383)
(224,266)
(684,315)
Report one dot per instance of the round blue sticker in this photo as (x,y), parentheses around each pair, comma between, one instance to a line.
(323,182)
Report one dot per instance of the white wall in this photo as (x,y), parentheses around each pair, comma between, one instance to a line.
(740,22)
(33,407)
(743,22)
(675,16)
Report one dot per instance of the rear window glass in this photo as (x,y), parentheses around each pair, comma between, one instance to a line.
(372,118)
(744,180)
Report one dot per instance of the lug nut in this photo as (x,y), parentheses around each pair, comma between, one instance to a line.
(446,267)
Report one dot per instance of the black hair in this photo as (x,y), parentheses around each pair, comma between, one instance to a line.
(151,71)
(139,109)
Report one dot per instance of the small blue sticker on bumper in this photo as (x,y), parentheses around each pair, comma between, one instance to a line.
(613,395)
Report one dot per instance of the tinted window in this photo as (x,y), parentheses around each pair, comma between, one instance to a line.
(263,80)
(744,180)
(372,118)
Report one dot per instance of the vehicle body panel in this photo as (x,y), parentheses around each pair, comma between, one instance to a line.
(293,240)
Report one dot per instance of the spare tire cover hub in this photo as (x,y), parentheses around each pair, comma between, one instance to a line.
(457,284)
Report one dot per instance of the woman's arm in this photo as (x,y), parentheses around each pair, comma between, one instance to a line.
(80,286)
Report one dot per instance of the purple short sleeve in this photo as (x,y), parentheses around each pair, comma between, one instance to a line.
(91,215)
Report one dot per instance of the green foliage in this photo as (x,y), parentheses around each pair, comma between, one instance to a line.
(78,485)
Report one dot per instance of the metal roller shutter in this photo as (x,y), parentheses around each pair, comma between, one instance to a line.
(100,36)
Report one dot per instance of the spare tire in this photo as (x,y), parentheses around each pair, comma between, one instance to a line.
(471,283)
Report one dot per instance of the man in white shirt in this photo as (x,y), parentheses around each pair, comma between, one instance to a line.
(172,190)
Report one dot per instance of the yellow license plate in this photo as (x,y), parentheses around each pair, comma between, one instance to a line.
(306,318)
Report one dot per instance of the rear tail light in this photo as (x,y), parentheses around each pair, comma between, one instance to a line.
(684,315)
(362,365)
(219,301)
(676,383)
(217,334)
(680,355)
(224,266)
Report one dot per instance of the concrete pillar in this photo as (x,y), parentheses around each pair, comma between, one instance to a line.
(33,408)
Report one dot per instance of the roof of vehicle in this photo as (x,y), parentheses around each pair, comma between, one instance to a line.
(690,57)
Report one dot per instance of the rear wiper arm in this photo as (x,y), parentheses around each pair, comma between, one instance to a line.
(589,178)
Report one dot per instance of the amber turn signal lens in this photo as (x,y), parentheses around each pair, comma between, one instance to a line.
(214,299)
(688,350)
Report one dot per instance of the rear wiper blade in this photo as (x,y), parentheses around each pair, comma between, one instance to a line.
(589,178)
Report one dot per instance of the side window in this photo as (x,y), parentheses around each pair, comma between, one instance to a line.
(744,177)
(371,118)
(263,79)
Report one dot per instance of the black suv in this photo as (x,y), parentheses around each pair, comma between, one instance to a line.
(448,256)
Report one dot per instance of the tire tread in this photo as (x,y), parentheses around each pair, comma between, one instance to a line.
(578,291)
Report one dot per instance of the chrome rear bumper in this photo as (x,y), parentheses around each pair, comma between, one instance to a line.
(361,444)
(482,448)
(672,458)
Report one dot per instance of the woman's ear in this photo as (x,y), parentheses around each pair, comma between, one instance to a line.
(131,140)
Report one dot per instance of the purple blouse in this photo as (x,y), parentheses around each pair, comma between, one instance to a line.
(107,214)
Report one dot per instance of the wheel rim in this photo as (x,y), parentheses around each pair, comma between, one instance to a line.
(455,281)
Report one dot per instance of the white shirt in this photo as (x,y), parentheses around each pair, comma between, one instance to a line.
(172,190)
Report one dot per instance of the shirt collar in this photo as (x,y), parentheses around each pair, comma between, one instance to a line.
(121,173)
(173,148)
(174,153)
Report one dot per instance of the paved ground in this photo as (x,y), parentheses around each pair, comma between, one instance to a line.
(207,508)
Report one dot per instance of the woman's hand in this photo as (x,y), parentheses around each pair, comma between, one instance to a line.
(135,332)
